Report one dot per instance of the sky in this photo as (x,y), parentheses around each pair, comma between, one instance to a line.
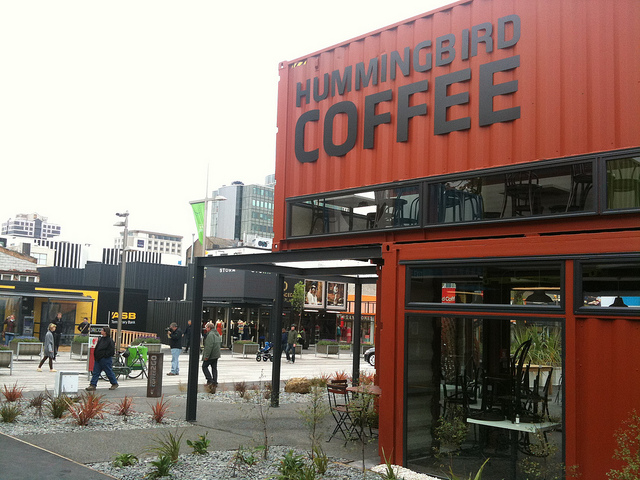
(119,106)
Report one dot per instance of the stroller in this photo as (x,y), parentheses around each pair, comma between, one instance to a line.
(265,352)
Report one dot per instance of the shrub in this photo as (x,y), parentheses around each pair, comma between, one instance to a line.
(9,412)
(147,339)
(326,341)
(124,407)
(12,394)
(160,410)
(241,388)
(124,460)
(244,342)
(291,466)
(169,446)
(57,406)
(628,450)
(24,340)
(162,467)
(4,347)
(89,407)
(37,402)
(200,446)
(341,376)
(298,385)
(81,339)
(210,388)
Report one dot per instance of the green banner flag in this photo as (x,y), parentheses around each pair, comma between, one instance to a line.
(198,213)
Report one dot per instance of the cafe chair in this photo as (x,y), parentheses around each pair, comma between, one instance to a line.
(536,397)
(340,410)
(581,184)
(524,191)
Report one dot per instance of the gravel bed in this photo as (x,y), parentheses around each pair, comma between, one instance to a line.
(221,465)
(213,465)
(31,422)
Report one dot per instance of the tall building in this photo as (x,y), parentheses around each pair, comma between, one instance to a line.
(164,244)
(247,214)
(30,225)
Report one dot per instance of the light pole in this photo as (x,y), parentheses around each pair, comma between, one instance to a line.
(123,268)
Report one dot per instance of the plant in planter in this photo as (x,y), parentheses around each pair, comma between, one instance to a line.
(5,356)
(325,346)
(246,347)
(77,344)
(30,350)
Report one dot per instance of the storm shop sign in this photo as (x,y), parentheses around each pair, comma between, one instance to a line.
(421,59)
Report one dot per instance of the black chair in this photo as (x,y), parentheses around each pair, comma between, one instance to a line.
(581,184)
(524,191)
(341,410)
(535,396)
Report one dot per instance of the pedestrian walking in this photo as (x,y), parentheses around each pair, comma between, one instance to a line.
(292,339)
(211,354)
(57,333)
(103,360)
(187,336)
(175,343)
(49,348)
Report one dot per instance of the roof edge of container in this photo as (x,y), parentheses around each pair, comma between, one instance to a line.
(375,32)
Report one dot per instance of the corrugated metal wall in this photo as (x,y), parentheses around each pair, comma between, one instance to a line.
(577,90)
(160,314)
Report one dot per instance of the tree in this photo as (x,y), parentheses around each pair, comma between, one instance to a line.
(297,300)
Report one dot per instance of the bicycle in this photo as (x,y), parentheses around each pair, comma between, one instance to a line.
(132,368)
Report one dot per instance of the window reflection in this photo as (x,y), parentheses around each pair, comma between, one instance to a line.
(522,193)
(370,210)
(509,284)
(611,284)
(623,183)
(478,377)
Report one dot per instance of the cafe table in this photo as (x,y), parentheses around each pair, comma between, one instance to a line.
(515,429)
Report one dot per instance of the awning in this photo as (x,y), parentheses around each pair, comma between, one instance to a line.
(49,296)
(347,264)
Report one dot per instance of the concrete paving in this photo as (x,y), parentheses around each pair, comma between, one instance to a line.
(228,425)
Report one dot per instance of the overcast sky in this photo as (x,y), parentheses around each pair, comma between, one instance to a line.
(122,105)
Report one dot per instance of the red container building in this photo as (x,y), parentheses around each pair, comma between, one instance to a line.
(492,149)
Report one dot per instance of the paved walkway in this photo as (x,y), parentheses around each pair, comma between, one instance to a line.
(62,455)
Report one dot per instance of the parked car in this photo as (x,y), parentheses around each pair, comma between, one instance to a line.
(370,356)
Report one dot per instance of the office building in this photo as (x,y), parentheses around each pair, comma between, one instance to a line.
(30,225)
(246,214)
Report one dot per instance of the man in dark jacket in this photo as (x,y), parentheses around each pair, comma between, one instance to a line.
(175,343)
(211,354)
(57,333)
(292,339)
(103,360)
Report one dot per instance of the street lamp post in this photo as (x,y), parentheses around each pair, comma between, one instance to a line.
(123,269)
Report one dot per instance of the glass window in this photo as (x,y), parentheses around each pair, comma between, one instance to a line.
(472,384)
(522,193)
(611,284)
(623,183)
(375,209)
(527,284)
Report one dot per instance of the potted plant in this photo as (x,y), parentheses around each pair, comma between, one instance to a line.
(245,347)
(328,347)
(152,342)
(77,345)
(6,356)
(545,351)
(26,346)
